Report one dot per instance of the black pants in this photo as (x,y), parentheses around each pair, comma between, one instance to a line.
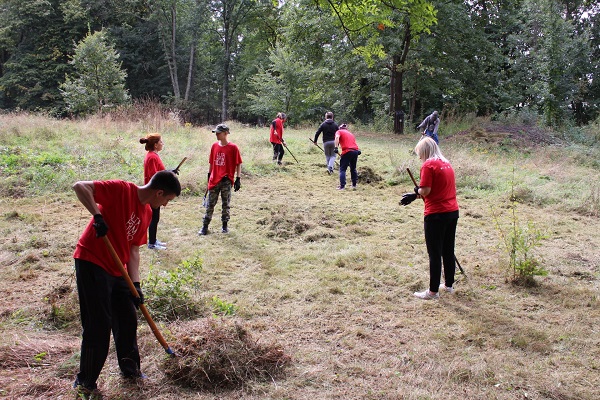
(349,160)
(105,304)
(277,151)
(440,233)
(153,225)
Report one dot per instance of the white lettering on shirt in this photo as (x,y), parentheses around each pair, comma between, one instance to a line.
(132,226)
(220,159)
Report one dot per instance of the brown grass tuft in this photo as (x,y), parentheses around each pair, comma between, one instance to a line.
(219,353)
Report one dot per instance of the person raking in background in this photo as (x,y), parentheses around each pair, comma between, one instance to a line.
(224,162)
(438,188)
(431,124)
(153,164)
(276,137)
(121,211)
(349,156)
(328,128)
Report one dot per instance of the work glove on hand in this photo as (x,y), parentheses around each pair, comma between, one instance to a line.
(175,171)
(237,185)
(100,226)
(138,300)
(408,198)
(417,189)
(336,151)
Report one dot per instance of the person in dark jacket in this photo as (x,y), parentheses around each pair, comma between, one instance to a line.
(328,128)
(431,124)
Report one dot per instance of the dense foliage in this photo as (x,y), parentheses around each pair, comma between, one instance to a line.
(370,61)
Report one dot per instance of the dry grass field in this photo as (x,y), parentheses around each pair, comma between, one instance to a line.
(327,275)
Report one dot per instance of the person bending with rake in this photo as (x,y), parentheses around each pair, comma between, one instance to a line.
(105,301)
(438,189)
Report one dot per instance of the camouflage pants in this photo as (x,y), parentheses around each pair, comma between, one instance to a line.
(224,189)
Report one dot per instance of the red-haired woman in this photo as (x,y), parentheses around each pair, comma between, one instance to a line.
(153,164)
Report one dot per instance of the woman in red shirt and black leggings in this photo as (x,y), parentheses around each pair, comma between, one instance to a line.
(438,188)
(153,164)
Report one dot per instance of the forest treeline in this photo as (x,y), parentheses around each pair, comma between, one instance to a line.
(386,63)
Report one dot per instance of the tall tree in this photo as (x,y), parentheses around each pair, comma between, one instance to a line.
(385,30)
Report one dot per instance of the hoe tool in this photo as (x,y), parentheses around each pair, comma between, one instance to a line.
(284,145)
(134,292)
(462,271)
(176,170)
(320,148)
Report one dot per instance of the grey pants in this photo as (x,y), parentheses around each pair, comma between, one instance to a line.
(223,188)
(330,156)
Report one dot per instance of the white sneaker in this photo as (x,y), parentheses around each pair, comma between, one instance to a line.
(156,246)
(427,295)
(444,288)
(158,242)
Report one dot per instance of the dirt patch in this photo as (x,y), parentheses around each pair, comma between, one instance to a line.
(494,134)
(367,175)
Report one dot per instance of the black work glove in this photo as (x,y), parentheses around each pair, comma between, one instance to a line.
(138,300)
(100,225)
(417,189)
(237,185)
(336,151)
(208,177)
(408,198)
(175,171)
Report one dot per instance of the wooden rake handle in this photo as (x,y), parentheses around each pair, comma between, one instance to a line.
(135,293)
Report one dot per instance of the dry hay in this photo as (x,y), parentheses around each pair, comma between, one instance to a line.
(221,353)
(367,175)
(492,134)
(284,226)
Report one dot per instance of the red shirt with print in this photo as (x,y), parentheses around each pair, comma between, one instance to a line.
(276,126)
(347,140)
(223,161)
(439,176)
(152,164)
(127,219)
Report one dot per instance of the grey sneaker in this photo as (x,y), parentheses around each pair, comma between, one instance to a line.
(158,242)
(427,295)
(156,246)
(444,288)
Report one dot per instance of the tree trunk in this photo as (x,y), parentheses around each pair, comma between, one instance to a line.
(190,70)
(398,62)
(176,90)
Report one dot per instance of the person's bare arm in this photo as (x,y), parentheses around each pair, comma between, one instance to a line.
(133,266)
(85,193)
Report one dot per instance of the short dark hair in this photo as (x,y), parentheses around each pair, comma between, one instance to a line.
(166,181)
(329,115)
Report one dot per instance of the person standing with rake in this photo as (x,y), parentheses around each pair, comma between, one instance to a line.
(328,128)
(276,137)
(153,164)
(438,189)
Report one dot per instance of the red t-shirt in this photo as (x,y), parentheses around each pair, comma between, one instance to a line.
(347,140)
(152,164)
(223,160)
(439,176)
(278,128)
(127,221)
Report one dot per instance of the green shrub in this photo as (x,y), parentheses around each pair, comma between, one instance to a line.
(168,294)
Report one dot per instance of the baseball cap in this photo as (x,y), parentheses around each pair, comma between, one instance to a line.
(221,128)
